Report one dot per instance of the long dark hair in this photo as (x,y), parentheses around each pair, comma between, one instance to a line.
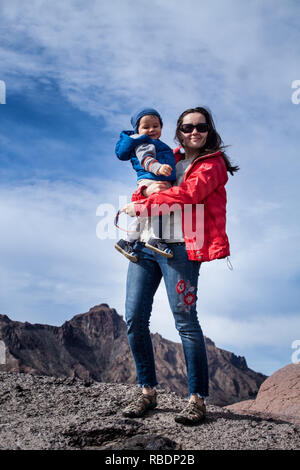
(213,142)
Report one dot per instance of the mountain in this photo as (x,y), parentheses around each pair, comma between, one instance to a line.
(94,346)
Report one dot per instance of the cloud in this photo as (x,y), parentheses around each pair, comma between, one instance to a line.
(50,252)
(256,331)
(108,58)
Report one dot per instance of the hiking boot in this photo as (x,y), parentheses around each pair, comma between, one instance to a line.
(126,248)
(160,247)
(140,405)
(193,413)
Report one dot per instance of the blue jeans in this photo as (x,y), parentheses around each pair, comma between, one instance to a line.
(181,279)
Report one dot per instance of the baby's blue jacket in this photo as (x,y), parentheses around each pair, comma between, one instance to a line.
(125,150)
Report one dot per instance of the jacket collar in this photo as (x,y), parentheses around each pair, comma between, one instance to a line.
(179,155)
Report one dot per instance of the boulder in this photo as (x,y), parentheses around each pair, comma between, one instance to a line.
(278,397)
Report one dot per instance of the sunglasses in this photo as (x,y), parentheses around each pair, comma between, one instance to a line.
(188,128)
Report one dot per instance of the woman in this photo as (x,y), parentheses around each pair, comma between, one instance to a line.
(201,171)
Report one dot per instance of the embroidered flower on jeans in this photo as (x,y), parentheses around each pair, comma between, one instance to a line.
(180,286)
(186,296)
(189,298)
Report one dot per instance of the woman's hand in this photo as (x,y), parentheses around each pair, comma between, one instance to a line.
(156,187)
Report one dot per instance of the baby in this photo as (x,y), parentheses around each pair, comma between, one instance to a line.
(153,161)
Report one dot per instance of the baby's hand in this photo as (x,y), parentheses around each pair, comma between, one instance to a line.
(165,170)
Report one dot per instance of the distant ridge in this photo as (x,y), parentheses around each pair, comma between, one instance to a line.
(94,346)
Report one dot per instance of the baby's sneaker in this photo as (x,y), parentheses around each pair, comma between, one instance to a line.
(159,246)
(126,248)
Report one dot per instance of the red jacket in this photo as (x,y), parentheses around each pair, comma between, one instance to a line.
(203,183)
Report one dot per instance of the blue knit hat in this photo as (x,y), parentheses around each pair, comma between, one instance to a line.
(144,112)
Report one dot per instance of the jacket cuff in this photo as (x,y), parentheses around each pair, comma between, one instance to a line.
(154,167)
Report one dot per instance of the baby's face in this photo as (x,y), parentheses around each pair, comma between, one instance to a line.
(150,125)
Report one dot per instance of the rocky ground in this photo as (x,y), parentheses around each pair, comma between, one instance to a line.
(39,412)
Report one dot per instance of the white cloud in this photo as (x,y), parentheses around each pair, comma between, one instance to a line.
(49,250)
(256,331)
(104,56)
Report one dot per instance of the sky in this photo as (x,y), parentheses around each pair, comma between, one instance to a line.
(74,73)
